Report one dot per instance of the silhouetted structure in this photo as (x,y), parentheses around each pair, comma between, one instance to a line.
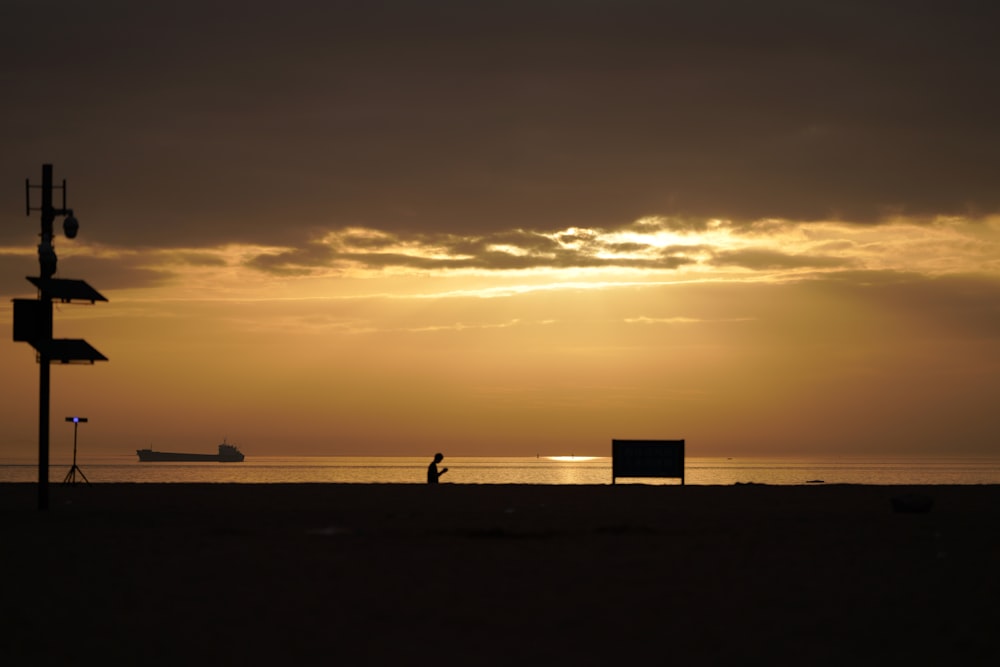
(33,318)
(71,475)
(432,470)
(227,454)
(647,458)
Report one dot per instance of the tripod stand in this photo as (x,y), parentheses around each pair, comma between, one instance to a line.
(71,475)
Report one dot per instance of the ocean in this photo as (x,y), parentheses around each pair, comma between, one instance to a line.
(513,470)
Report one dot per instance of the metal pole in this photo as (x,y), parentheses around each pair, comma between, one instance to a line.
(71,475)
(47,267)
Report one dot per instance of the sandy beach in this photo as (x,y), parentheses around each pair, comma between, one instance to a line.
(498,575)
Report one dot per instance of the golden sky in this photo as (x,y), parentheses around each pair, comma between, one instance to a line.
(776,337)
(344,230)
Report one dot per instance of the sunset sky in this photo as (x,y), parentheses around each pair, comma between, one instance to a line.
(366,228)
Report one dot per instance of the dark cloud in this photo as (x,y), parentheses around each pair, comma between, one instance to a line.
(299,261)
(773,259)
(531,243)
(110,274)
(190,124)
(197,259)
(503,251)
(101,274)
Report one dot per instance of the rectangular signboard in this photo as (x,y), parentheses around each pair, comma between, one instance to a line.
(647,458)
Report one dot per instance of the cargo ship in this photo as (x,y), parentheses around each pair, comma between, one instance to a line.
(227,454)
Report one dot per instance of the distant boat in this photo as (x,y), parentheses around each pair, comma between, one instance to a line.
(227,454)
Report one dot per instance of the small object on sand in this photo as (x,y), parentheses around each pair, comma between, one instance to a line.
(814,481)
(912,503)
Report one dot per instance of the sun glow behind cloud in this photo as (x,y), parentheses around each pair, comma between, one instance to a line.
(364,340)
(650,250)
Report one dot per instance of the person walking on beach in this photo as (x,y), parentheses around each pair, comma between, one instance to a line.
(432,469)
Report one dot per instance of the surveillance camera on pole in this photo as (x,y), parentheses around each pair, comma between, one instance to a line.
(70,226)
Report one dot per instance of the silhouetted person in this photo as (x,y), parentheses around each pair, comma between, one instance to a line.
(432,469)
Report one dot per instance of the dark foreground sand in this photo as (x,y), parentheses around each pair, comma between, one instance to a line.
(316,574)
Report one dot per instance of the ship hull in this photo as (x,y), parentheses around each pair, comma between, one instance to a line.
(159,457)
(227,454)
